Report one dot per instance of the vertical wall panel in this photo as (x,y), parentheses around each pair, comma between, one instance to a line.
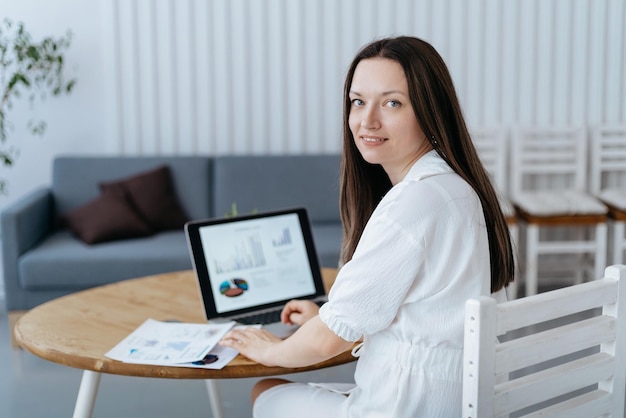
(542,63)
(490,69)
(560,75)
(615,33)
(259,87)
(473,61)
(440,30)
(622,83)
(456,45)
(296,102)
(333,68)
(579,69)
(240,71)
(595,60)
(311,101)
(422,19)
(266,76)
(223,97)
(277,103)
(167,77)
(204,90)
(185,77)
(509,65)
(526,85)
(128,100)
(145,74)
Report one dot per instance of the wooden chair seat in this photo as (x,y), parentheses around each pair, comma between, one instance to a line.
(561,220)
(615,200)
(555,203)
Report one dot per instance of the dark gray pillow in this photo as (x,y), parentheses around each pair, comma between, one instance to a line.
(106,218)
(153,196)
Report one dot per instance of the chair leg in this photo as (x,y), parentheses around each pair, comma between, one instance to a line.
(512,289)
(531,262)
(618,242)
(600,256)
(580,235)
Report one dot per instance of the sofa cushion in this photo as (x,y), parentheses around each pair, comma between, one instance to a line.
(277,182)
(108,217)
(327,239)
(76,179)
(61,262)
(153,196)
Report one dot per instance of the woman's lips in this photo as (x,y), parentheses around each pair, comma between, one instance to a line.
(372,139)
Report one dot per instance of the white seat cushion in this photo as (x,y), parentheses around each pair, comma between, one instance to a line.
(554,203)
(615,197)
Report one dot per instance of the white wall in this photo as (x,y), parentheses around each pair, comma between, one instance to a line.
(76,123)
(265,76)
(236,76)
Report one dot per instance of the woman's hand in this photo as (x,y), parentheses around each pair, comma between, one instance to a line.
(298,312)
(256,344)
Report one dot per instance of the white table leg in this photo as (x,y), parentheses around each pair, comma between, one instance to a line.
(87,394)
(213,388)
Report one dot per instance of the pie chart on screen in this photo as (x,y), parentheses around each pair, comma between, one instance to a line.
(233,287)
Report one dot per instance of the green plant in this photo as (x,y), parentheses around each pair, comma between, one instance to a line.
(28,67)
(233,212)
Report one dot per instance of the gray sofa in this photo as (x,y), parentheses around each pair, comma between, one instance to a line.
(42,261)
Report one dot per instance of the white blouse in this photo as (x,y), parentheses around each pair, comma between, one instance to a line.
(423,253)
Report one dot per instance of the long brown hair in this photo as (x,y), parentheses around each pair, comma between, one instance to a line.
(439,114)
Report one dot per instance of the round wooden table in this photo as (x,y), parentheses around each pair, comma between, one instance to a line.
(77,330)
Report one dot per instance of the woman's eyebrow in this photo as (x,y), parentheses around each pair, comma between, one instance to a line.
(384,93)
(387,93)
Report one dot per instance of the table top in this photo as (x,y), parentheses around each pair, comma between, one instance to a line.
(77,330)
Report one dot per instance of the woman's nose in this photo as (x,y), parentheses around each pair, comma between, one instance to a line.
(370,119)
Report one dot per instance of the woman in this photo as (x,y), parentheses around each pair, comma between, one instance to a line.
(423,233)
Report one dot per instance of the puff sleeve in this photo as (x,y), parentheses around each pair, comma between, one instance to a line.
(371,287)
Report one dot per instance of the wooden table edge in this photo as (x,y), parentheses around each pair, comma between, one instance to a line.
(240,367)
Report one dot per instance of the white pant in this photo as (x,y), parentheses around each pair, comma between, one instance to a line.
(300,400)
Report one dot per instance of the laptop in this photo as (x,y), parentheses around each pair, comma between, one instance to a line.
(248,267)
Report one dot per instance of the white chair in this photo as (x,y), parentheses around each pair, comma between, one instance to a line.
(608,182)
(557,215)
(558,355)
(492,146)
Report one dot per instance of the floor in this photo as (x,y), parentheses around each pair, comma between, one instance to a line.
(31,387)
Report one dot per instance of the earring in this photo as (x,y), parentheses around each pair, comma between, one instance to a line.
(433,140)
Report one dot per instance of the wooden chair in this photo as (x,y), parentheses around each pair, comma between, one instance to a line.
(548,355)
(492,147)
(557,215)
(608,182)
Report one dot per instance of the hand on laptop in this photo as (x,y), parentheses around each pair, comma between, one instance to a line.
(298,312)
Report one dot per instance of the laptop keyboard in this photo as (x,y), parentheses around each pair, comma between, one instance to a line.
(263,318)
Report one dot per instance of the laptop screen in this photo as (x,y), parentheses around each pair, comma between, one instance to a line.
(253,262)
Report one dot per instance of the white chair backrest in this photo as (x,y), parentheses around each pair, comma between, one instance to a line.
(491,145)
(608,158)
(573,365)
(548,158)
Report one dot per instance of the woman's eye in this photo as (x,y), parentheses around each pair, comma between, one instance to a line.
(393,103)
(357,102)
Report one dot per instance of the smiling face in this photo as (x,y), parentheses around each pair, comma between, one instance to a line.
(382,120)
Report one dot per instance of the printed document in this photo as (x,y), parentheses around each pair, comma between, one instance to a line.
(175,344)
